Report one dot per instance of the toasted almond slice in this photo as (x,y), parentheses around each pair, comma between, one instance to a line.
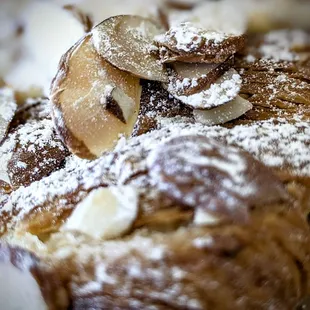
(205,218)
(93,102)
(197,76)
(7,110)
(126,41)
(224,90)
(188,43)
(224,113)
(105,213)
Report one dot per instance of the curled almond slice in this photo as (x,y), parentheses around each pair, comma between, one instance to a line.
(222,91)
(105,213)
(190,78)
(224,113)
(7,110)
(93,102)
(188,43)
(126,41)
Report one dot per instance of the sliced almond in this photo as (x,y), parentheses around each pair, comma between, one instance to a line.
(118,103)
(190,78)
(204,218)
(93,102)
(222,91)
(126,41)
(188,43)
(105,213)
(7,110)
(224,113)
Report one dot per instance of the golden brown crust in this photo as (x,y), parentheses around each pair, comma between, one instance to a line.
(257,259)
(276,77)
(250,267)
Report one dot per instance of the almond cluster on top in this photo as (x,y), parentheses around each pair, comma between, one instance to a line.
(96,92)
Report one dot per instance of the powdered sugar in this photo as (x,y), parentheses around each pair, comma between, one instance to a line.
(202,173)
(187,37)
(128,265)
(277,143)
(180,85)
(126,41)
(27,138)
(7,104)
(279,45)
(62,189)
(203,242)
(224,90)
(7,110)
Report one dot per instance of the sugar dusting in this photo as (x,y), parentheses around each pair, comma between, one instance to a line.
(124,265)
(7,104)
(224,90)
(7,110)
(277,143)
(281,45)
(187,37)
(62,189)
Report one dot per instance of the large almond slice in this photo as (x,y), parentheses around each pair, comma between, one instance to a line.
(224,113)
(105,213)
(7,110)
(190,78)
(93,102)
(225,89)
(126,41)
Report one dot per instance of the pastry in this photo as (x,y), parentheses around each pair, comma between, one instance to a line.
(169,168)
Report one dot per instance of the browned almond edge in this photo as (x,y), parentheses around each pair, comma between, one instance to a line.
(221,52)
(159,23)
(206,82)
(75,145)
